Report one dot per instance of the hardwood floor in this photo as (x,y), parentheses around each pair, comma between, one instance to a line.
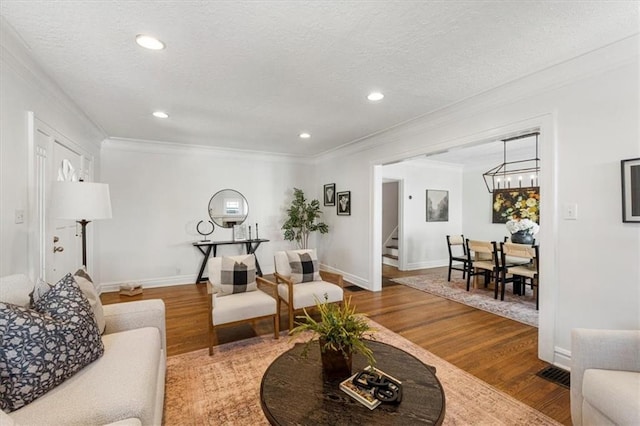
(497,350)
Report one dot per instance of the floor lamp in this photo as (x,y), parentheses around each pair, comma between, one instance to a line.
(82,202)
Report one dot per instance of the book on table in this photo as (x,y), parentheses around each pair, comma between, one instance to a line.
(367,396)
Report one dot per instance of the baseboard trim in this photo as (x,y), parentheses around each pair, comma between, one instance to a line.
(562,358)
(427,265)
(353,279)
(150,283)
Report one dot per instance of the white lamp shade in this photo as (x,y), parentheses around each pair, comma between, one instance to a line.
(81,201)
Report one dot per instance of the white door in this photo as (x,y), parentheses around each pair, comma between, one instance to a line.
(57,247)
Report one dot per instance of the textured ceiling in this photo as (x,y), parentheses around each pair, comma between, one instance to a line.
(253,75)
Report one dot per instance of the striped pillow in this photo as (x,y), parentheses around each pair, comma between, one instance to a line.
(236,277)
(304,266)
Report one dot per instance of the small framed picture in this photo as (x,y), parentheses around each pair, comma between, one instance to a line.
(239,232)
(630,190)
(437,205)
(344,203)
(330,194)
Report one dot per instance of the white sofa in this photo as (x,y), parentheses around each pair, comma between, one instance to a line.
(605,377)
(125,386)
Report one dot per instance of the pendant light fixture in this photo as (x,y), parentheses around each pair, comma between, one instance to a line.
(514,174)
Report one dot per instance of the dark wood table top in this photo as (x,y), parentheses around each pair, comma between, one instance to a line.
(293,391)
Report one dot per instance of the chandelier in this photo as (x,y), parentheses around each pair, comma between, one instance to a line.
(514,174)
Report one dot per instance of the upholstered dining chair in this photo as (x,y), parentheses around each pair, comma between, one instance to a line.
(484,259)
(301,283)
(520,260)
(234,296)
(455,243)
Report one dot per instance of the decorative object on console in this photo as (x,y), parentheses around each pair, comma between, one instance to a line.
(437,205)
(205,234)
(82,202)
(239,232)
(45,346)
(504,175)
(228,208)
(341,332)
(630,190)
(257,237)
(344,203)
(330,194)
(520,202)
(301,219)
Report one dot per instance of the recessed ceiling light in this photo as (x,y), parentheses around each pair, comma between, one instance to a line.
(305,135)
(160,114)
(149,42)
(375,96)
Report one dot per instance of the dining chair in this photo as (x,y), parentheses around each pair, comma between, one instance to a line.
(454,243)
(484,261)
(520,260)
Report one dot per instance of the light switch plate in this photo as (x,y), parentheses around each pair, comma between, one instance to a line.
(19,216)
(570,211)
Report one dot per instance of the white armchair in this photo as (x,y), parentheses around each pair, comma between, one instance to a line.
(605,377)
(301,286)
(235,296)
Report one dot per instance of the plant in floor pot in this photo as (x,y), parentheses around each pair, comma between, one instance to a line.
(341,333)
(302,219)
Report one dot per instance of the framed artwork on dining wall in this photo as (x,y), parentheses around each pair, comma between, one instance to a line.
(330,194)
(344,203)
(437,205)
(630,190)
(523,203)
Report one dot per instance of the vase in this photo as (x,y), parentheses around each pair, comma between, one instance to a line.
(334,364)
(522,237)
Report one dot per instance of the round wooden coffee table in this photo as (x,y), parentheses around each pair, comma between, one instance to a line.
(293,391)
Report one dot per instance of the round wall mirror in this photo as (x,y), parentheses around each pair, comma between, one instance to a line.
(228,208)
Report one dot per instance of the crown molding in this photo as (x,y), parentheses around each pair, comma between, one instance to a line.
(160,147)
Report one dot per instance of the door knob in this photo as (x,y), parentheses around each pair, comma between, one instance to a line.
(55,239)
(57,249)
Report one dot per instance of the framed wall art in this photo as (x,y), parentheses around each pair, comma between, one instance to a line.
(437,205)
(344,203)
(521,203)
(330,194)
(630,190)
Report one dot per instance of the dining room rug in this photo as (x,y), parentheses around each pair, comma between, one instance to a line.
(517,308)
(224,389)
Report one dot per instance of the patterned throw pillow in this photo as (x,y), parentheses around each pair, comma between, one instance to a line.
(41,348)
(304,266)
(85,283)
(237,277)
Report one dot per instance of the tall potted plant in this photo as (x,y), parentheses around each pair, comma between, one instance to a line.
(302,219)
(341,332)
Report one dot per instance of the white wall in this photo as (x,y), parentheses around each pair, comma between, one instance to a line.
(159,192)
(477,205)
(587,111)
(25,87)
(423,244)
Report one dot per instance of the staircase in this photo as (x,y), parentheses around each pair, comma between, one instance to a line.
(390,256)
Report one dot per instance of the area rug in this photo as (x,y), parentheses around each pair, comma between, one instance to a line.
(224,389)
(517,308)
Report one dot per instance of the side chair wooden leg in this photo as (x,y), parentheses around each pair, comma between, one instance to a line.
(276,326)
(290,318)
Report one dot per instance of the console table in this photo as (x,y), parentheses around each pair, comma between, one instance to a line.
(207,247)
(293,391)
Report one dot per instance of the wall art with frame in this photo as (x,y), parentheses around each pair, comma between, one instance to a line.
(344,203)
(523,203)
(630,190)
(330,194)
(437,205)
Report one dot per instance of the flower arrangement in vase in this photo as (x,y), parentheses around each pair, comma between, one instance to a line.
(522,230)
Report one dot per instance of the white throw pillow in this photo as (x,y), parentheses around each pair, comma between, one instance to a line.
(236,276)
(85,283)
(15,289)
(304,266)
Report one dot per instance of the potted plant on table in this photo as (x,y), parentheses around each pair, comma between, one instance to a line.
(341,333)
(301,219)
